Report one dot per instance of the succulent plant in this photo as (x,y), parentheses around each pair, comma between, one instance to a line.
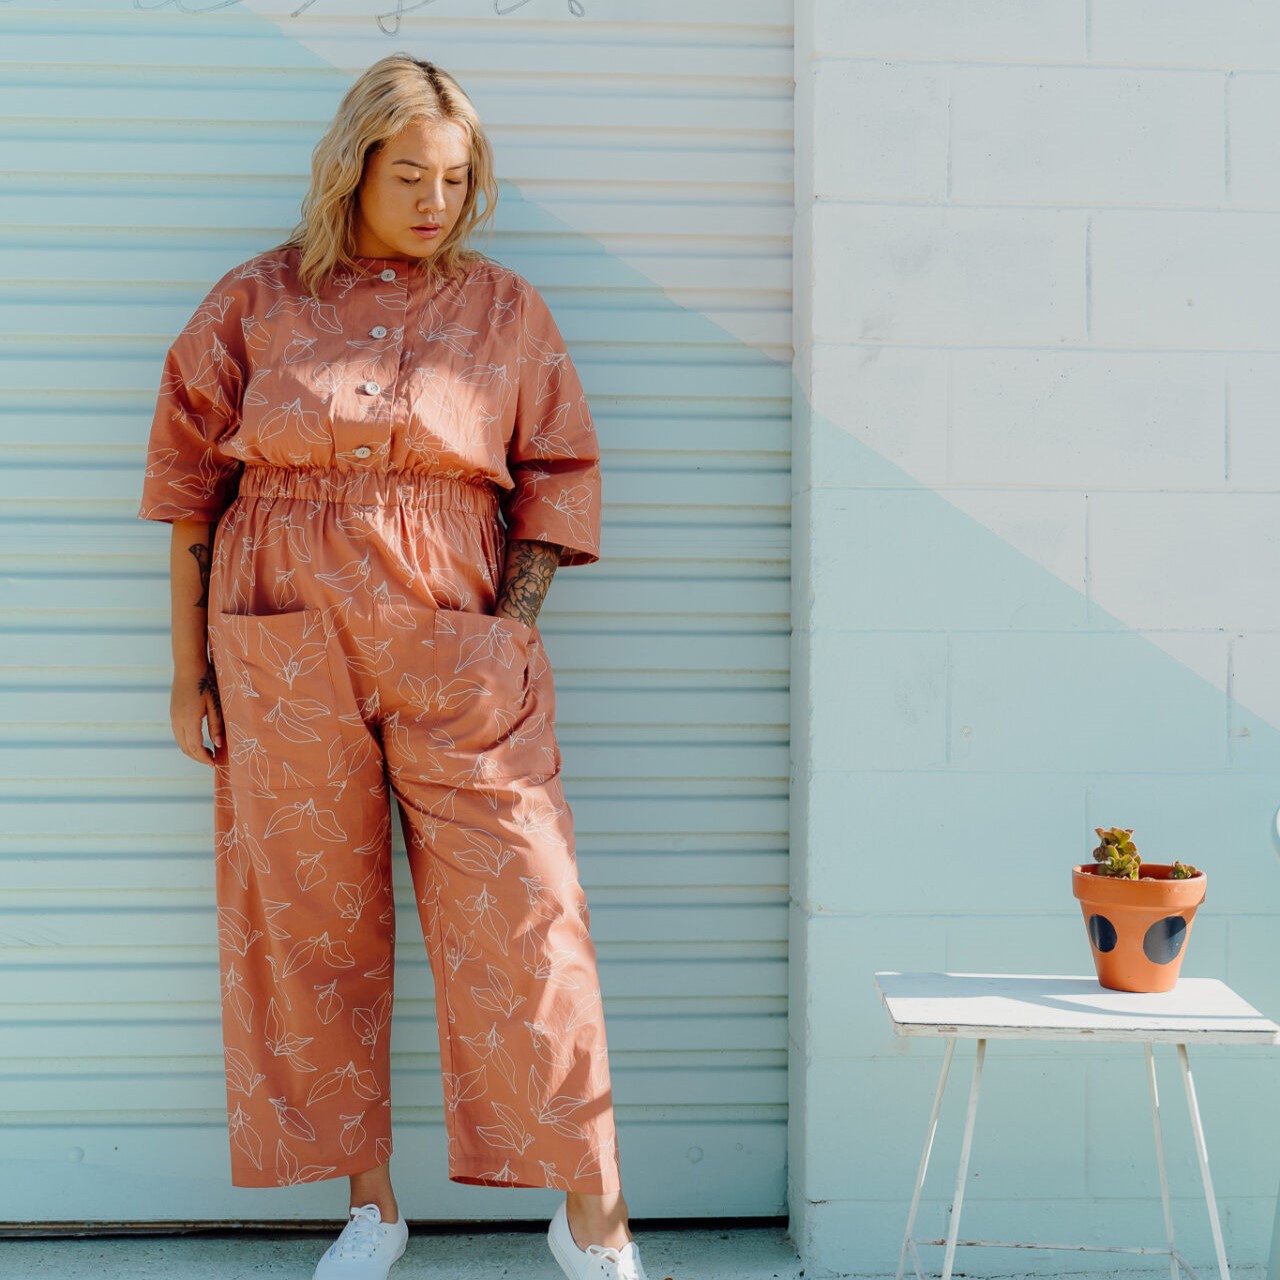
(1117,856)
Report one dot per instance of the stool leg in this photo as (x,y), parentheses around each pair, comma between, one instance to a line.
(953,1229)
(1202,1154)
(1160,1164)
(1273,1267)
(924,1158)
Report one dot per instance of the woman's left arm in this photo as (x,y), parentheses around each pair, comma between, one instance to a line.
(527,574)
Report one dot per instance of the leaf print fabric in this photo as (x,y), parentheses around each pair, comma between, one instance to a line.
(389,371)
(366,456)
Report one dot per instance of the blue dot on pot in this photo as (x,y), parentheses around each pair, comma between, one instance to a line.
(1102,933)
(1164,940)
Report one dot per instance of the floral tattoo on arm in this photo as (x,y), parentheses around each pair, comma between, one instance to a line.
(201,552)
(530,568)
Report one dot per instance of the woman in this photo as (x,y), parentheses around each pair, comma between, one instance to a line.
(375,451)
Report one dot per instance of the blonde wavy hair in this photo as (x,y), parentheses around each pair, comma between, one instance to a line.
(391,94)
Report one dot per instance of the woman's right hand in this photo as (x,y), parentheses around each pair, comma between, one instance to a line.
(193,702)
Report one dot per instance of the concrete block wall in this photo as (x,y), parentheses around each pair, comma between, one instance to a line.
(1037,584)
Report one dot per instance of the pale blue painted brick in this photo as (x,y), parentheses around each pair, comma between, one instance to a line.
(1222,822)
(1029,1128)
(910,560)
(1220,553)
(873,1117)
(878,699)
(1088,702)
(924,841)
(850,1236)
(845,1017)
(1081,135)
(882,401)
(1121,1142)
(1052,942)
(1252,970)
(1048,527)
(1255,702)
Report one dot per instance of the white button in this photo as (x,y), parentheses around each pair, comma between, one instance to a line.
(363,451)
(388,274)
(378,331)
(370,388)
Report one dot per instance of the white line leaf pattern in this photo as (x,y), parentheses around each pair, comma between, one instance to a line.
(290,1172)
(499,996)
(353,1135)
(292,1121)
(363,1083)
(372,1022)
(244,1136)
(292,817)
(510,1133)
(462,1086)
(284,1043)
(241,1075)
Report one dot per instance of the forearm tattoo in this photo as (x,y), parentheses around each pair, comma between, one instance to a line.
(530,568)
(201,552)
(209,685)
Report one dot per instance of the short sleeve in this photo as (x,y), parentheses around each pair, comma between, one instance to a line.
(553,456)
(187,475)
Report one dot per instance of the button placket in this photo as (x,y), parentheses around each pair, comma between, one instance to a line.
(366,435)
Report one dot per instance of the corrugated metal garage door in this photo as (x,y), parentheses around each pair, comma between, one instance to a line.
(646,169)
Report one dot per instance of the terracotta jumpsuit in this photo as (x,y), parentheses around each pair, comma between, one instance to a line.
(365,456)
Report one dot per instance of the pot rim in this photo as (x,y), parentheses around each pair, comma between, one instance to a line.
(1091,869)
(1150,893)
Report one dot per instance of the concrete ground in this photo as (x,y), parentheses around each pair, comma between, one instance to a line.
(736,1253)
(682,1253)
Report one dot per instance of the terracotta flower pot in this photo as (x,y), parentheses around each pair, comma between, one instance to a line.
(1138,929)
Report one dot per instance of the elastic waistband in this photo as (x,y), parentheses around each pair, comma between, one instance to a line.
(372,489)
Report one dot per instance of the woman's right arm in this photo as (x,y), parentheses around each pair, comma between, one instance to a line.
(195,690)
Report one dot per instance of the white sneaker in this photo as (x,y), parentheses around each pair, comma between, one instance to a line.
(366,1248)
(596,1261)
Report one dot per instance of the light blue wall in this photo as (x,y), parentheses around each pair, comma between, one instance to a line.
(1034,591)
(956,761)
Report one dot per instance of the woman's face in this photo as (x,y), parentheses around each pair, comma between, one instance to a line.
(417,179)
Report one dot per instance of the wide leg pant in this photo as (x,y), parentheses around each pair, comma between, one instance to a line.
(357,659)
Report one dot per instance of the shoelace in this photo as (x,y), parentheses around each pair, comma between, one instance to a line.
(361,1236)
(605,1253)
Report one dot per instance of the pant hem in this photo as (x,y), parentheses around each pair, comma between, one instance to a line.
(598,1184)
(264,1178)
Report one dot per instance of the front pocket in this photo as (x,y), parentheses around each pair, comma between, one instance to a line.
(277,691)
(486,726)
